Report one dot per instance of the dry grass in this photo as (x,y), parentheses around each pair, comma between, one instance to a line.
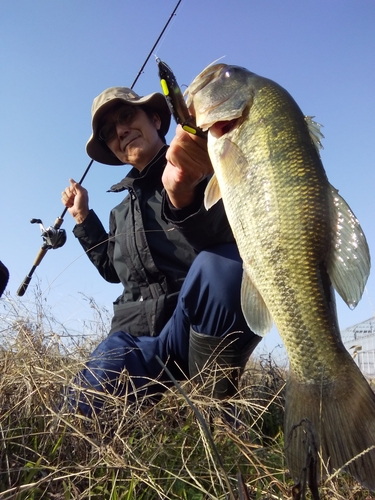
(132,451)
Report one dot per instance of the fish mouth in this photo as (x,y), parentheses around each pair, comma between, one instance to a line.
(221,128)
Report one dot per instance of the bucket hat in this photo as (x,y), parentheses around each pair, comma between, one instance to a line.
(97,149)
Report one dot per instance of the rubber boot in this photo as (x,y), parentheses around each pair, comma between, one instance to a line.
(218,362)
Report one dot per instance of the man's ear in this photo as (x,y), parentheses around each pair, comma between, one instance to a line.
(156,120)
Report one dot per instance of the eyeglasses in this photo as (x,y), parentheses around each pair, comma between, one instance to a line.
(124,116)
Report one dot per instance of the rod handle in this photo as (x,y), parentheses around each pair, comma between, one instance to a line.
(23,287)
(38,259)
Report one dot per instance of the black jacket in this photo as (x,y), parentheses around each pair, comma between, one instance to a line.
(150,247)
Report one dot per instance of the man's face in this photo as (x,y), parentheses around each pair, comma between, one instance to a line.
(131,135)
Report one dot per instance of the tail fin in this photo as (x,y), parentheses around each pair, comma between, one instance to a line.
(341,425)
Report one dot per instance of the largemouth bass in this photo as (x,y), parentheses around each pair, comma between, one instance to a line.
(298,239)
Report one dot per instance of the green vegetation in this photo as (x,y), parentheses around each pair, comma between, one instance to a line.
(132,451)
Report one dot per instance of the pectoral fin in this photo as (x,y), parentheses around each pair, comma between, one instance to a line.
(226,157)
(212,193)
(254,308)
(349,261)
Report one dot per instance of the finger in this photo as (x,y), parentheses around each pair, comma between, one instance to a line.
(77,189)
(178,155)
(190,139)
(66,200)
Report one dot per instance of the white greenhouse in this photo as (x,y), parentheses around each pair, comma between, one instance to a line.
(360,342)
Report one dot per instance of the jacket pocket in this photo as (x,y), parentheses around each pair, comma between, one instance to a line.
(145,317)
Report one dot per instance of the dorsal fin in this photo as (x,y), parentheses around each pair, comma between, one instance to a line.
(315,133)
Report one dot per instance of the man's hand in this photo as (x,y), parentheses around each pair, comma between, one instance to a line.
(188,164)
(76,199)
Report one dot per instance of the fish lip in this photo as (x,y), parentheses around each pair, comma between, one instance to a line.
(208,117)
(220,128)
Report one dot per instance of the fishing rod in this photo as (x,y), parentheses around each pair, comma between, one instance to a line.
(53,236)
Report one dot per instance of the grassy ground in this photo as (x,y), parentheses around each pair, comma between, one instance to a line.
(134,451)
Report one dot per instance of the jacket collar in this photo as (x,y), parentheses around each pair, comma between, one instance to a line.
(153,168)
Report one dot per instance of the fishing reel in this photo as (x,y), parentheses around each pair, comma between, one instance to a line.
(53,237)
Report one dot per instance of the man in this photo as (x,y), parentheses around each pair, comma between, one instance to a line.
(178,263)
(4,277)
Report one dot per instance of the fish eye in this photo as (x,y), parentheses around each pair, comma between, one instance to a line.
(231,72)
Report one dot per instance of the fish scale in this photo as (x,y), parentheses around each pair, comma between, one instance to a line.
(298,238)
(275,247)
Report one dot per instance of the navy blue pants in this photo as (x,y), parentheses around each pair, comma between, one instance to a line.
(209,302)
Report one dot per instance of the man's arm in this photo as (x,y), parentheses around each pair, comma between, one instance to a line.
(185,179)
(90,232)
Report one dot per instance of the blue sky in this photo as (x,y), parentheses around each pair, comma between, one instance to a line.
(57,55)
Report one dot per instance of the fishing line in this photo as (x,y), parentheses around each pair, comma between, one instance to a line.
(370,302)
(48,287)
(54,237)
(155,44)
(137,77)
(133,84)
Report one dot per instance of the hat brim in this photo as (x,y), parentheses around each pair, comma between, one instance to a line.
(98,150)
